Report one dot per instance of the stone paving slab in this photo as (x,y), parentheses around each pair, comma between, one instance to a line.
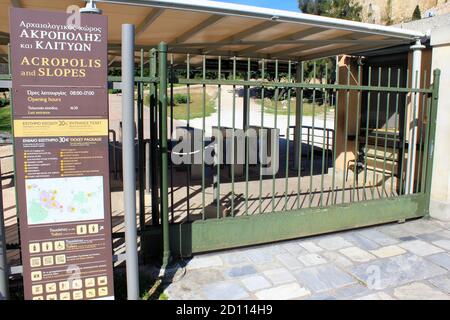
(420,248)
(361,241)
(441,259)
(235,258)
(284,292)
(444,244)
(395,271)
(388,251)
(324,278)
(255,282)
(208,261)
(443,283)
(224,290)
(377,236)
(289,261)
(357,254)
(310,246)
(312,259)
(394,261)
(337,259)
(333,243)
(279,276)
(419,291)
(240,271)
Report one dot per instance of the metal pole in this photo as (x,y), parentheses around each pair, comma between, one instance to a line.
(412,141)
(4,270)
(128,156)
(154,141)
(432,135)
(162,74)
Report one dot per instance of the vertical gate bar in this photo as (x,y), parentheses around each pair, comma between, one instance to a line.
(366,146)
(162,73)
(141,149)
(383,188)
(233,151)
(4,268)
(311,164)
(274,128)
(412,156)
(129,169)
(154,161)
(419,169)
(147,161)
(336,115)
(260,140)
(425,148)
(299,102)
(395,133)
(421,151)
(288,140)
(377,122)
(324,103)
(188,171)
(432,134)
(308,136)
(358,112)
(247,122)
(405,121)
(219,145)
(347,98)
(172,103)
(203,134)
(147,166)
(419,166)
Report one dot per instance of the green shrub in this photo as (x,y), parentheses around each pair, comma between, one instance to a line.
(114,91)
(180,98)
(4,102)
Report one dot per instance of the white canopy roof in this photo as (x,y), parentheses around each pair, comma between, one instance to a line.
(215,28)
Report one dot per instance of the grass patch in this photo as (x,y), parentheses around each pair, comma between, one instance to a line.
(5,118)
(180,111)
(282,107)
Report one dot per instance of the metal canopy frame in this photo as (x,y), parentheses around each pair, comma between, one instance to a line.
(230,9)
(223,29)
(304,49)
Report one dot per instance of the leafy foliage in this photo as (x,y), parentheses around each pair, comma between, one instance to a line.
(343,9)
(180,98)
(417,15)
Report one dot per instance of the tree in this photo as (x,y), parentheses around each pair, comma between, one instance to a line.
(417,15)
(388,19)
(343,9)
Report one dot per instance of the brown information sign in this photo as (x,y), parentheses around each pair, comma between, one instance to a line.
(59,73)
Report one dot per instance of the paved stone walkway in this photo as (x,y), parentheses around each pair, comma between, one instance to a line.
(394,261)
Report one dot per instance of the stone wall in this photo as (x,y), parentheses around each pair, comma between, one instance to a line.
(397,11)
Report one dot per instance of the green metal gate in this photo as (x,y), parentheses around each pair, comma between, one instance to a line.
(202,206)
(318,188)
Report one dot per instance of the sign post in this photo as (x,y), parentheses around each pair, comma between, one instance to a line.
(4,268)
(60,123)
